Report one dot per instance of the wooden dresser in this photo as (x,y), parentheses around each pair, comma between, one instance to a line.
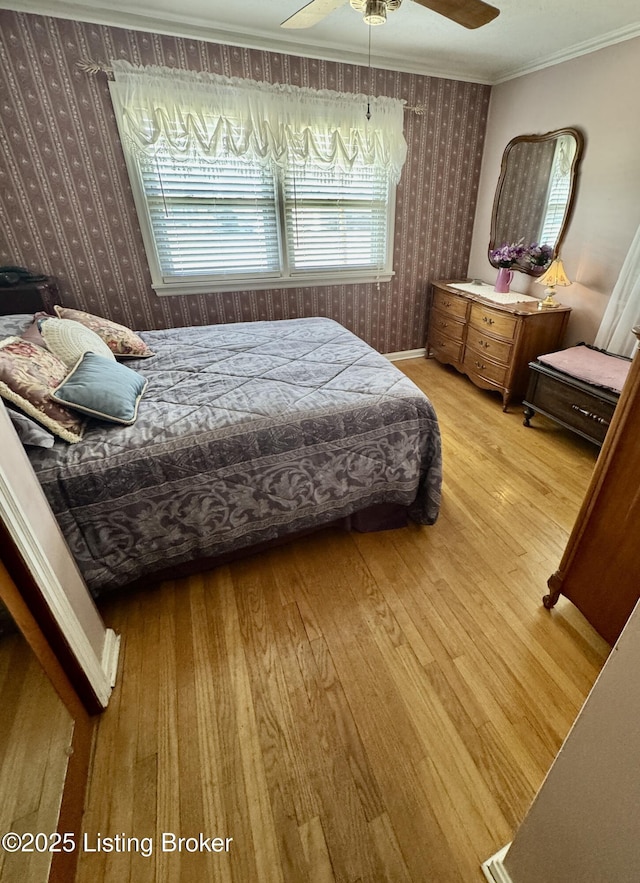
(491,343)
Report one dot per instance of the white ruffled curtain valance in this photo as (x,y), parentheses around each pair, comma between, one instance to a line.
(186,112)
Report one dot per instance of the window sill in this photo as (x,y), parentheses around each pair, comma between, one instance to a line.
(164,289)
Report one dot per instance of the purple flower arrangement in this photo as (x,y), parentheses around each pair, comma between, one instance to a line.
(539,255)
(516,254)
(508,255)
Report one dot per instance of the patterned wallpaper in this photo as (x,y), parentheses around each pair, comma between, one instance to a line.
(66,207)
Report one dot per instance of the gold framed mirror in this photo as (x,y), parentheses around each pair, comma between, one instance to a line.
(535,196)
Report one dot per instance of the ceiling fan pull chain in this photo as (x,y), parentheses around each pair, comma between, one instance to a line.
(369,81)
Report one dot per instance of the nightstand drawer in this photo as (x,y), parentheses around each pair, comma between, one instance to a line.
(486,319)
(478,364)
(451,304)
(498,350)
(442,323)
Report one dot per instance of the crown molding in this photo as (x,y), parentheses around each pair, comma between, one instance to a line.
(580,49)
(199,29)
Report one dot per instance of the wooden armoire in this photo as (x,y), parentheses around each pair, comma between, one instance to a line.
(600,568)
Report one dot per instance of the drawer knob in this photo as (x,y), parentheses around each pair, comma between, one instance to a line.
(443,324)
(590,415)
(480,365)
(484,344)
(447,303)
(488,320)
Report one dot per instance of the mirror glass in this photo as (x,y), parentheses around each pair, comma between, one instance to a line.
(535,196)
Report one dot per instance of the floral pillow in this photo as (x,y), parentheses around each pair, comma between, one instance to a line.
(122,341)
(28,375)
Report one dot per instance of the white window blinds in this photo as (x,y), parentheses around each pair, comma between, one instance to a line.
(336,219)
(559,190)
(210,219)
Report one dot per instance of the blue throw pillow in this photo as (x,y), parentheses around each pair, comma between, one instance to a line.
(102,388)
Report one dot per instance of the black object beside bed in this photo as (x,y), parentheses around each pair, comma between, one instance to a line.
(246,433)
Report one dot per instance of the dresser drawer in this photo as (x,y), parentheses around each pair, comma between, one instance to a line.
(493,321)
(444,348)
(498,350)
(443,323)
(452,304)
(478,364)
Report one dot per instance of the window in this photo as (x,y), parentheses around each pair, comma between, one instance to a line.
(230,197)
(556,208)
(210,220)
(335,219)
(559,190)
(237,221)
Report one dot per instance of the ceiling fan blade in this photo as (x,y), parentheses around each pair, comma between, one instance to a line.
(312,13)
(468,13)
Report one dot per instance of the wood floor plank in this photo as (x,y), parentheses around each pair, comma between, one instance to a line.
(346,728)
(358,707)
(251,802)
(392,741)
(314,844)
(386,843)
(291,806)
(345,788)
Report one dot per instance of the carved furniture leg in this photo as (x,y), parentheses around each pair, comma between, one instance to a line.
(528,414)
(555,584)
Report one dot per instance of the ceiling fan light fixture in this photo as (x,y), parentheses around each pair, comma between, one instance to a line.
(375,12)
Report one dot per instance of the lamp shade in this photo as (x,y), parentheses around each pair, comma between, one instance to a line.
(554,275)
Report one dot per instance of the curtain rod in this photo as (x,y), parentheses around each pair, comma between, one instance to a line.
(97,67)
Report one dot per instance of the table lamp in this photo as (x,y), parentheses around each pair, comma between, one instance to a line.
(552,276)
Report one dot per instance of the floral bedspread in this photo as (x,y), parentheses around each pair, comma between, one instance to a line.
(246,432)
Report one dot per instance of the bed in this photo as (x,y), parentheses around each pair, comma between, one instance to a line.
(245,433)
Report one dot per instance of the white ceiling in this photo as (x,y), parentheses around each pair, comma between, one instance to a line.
(526,36)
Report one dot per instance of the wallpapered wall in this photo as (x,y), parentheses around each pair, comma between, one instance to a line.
(66,207)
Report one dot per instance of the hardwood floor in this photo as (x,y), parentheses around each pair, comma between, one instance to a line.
(33,757)
(357,707)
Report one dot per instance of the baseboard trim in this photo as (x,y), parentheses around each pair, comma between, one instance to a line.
(406,354)
(494,870)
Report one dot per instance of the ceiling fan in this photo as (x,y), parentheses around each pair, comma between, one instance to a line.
(468,13)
